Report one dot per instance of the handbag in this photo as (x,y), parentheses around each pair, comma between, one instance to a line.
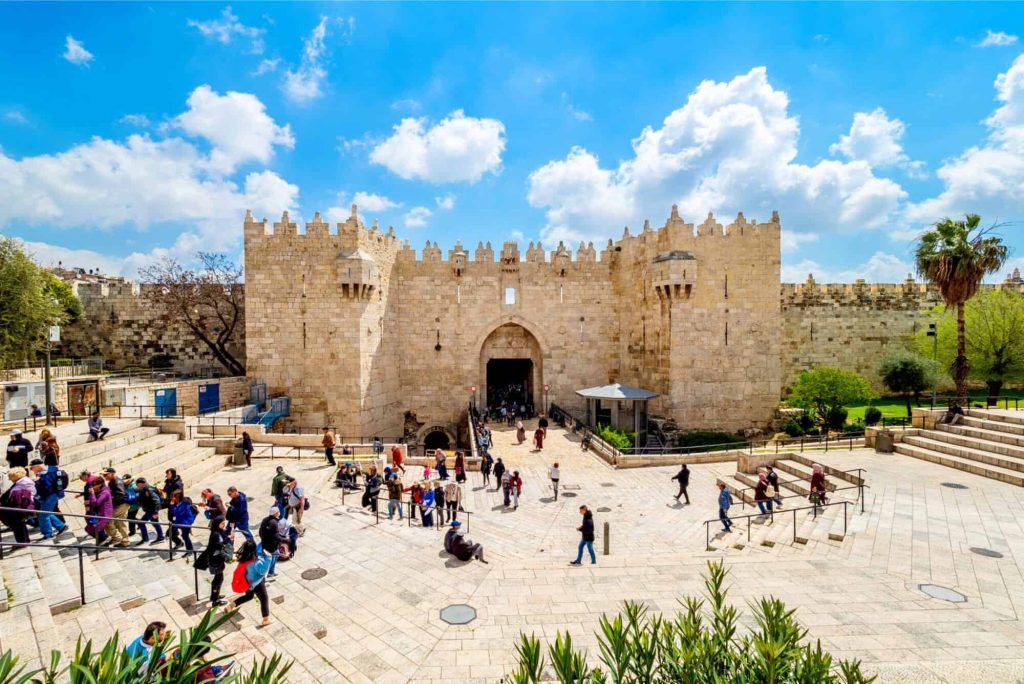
(202,561)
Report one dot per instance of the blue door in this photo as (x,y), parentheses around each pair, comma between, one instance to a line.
(209,397)
(166,401)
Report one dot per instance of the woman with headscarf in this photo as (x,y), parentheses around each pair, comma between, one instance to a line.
(764,503)
(99,505)
(818,496)
(460,467)
(22,494)
(48,448)
(520,432)
(215,557)
(538,439)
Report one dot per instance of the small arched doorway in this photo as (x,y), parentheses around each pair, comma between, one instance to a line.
(510,368)
(438,439)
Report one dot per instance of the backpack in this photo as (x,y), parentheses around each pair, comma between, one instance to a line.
(131,495)
(239,584)
(192,507)
(62,480)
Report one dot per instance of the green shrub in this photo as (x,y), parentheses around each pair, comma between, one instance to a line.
(793,428)
(822,391)
(835,418)
(620,439)
(872,416)
(700,644)
(716,441)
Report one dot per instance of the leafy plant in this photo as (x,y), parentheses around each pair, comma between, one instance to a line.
(711,438)
(792,427)
(823,392)
(872,416)
(908,374)
(698,646)
(620,439)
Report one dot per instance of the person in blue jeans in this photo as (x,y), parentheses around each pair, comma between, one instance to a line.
(48,493)
(724,502)
(586,531)
(238,512)
(149,502)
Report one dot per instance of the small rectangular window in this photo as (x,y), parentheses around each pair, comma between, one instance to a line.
(458,294)
(510,295)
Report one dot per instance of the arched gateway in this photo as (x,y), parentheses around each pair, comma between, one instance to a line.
(511,367)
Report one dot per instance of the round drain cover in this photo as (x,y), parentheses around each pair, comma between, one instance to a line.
(988,553)
(954,485)
(458,614)
(942,593)
(568,495)
(604,509)
(314,574)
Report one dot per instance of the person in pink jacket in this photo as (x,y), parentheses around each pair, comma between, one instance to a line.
(21,495)
(100,505)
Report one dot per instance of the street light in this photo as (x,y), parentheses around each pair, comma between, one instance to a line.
(933,332)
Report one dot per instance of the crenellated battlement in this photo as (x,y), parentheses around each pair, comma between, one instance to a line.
(909,294)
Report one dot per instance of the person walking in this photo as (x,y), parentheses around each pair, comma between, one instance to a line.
(48,448)
(397,458)
(329,443)
(427,505)
(247,449)
(520,432)
(516,488)
(172,483)
(18,449)
(453,500)
(238,512)
(181,513)
(555,474)
(543,424)
(21,495)
(460,467)
(394,486)
(499,473)
(371,489)
(96,429)
(215,558)
(99,507)
(764,503)
(538,439)
(773,482)
(439,503)
(378,447)
(724,503)
(213,504)
(684,481)
(277,490)
(48,493)
(250,580)
(118,528)
(586,530)
(506,487)
(819,493)
(298,503)
(131,495)
(486,464)
(268,537)
(149,504)
(441,464)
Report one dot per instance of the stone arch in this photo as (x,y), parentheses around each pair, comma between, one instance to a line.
(432,428)
(512,342)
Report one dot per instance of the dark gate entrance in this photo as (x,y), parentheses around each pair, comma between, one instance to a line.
(508,381)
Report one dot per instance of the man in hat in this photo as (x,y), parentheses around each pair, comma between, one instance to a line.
(18,449)
(457,544)
(48,492)
(117,529)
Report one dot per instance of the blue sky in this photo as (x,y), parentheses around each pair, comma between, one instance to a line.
(132,131)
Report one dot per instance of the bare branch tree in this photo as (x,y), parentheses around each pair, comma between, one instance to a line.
(207,300)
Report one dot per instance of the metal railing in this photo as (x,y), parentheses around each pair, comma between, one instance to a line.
(707,523)
(412,507)
(828,486)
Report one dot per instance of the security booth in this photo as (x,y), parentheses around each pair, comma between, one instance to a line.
(621,406)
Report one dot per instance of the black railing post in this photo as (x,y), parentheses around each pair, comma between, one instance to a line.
(81,575)
(376,512)
(748,529)
(170,541)
(862,496)
(846,505)
(195,573)
(794,526)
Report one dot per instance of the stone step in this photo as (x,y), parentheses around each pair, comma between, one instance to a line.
(62,592)
(996,416)
(979,455)
(836,473)
(967,465)
(117,458)
(994,425)
(993,436)
(794,469)
(71,457)
(811,523)
(71,435)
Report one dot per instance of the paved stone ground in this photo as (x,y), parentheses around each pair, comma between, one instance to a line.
(387,582)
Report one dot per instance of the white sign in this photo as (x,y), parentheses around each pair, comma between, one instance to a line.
(55,333)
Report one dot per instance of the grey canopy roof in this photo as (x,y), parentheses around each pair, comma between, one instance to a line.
(617,391)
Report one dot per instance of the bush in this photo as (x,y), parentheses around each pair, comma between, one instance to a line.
(872,416)
(835,418)
(709,438)
(823,391)
(793,428)
(620,439)
(701,644)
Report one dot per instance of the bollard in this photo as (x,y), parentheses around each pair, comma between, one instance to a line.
(607,539)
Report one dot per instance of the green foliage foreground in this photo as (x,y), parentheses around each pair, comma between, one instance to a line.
(699,646)
(172,661)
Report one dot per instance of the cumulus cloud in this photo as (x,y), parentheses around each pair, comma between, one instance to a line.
(731,147)
(880,268)
(457,148)
(236,124)
(143,182)
(228,27)
(75,52)
(791,241)
(137,120)
(996,39)
(369,201)
(417,217)
(445,202)
(987,179)
(51,255)
(875,139)
(266,66)
(304,83)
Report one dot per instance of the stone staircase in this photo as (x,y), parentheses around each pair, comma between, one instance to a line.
(987,443)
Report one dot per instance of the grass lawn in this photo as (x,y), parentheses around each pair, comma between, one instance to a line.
(896,407)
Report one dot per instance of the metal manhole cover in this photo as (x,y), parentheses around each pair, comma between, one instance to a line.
(988,553)
(458,614)
(571,487)
(568,495)
(314,574)
(954,485)
(942,593)
(607,484)
(604,509)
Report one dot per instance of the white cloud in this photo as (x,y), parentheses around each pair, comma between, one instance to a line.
(875,138)
(996,39)
(368,201)
(987,179)
(75,52)
(305,83)
(141,183)
(16,117)
(266,66)
(791,241)
(51,255)
(408,104)
(457,148)
(880,268)
(138,120)
(579,114)
(417,217)
(731,147)
(446,202)
(236,124)
(225,29)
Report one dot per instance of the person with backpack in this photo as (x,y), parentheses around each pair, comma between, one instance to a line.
(250,580)
(287,540)
(499,472)
(724,503)
(50,485)
(516,489)
(213,504)
(268,536)
(131,495)
(238,512)
(298,503)
(150,504)
(684,481)
(181,513)
(215,559)
(773,482)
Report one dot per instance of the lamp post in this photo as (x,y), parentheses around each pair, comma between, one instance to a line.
(933,332)
(472,398)
(547,408)
(53,335)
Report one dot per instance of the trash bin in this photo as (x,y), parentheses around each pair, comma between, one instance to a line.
(239,458)
(884,442)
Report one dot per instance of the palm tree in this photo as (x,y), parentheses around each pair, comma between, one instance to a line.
(955,256)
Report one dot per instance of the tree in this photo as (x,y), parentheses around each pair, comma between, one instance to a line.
(955,256)
(29,304)
(823,392)
(908,374)
(701,644)
(65,297)
(994,338)
(208,301)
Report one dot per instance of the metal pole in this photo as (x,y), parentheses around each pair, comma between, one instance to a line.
(707,536)
(195,572)
(794,526)
(862,497)
(47,384)
(607,538)
(81,575)
(846,505)
(748,528)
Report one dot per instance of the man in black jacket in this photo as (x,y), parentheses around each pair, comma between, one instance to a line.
(268,537)
(684,481)
(149,502)
(18,450)
(464,549)
(118,528)
(586,531)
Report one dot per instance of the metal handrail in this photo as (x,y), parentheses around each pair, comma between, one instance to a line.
(740,492)
(845,504)
(410,503)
